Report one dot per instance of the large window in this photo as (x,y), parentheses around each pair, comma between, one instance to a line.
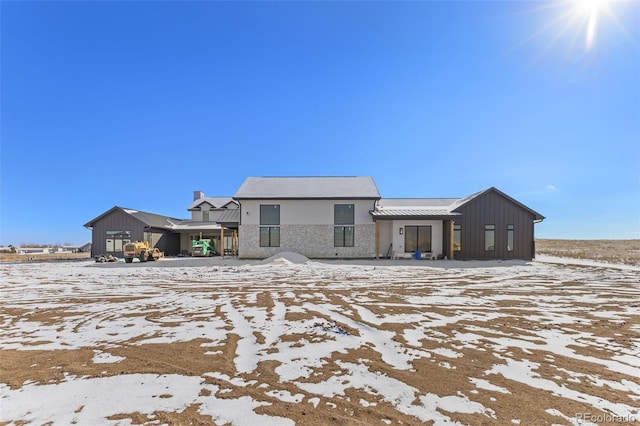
(343,236)
(270,235)
(343,214)
(417,238)
(270,214)
(457,237)
(490,237)
(116,239)
(510,237)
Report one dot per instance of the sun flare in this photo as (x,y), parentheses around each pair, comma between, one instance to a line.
(579,27)
(586,13)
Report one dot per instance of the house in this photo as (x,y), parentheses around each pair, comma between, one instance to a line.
(331,217)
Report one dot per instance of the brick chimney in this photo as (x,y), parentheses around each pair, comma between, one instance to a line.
(197,195)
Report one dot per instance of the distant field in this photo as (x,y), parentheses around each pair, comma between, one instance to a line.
(613,251)
(15,257)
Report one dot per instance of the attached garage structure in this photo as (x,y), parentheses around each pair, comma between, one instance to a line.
(118,226)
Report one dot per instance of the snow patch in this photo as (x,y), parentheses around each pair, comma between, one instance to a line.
(286,257)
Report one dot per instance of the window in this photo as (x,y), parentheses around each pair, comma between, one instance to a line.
(117,239)
(343,236)
(205,216)
(270,235)
(510,237)
(269,214)
(343,214)
(489,237)
(457,237)
(417,238)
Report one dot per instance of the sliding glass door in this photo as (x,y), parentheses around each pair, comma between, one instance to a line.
(417,238)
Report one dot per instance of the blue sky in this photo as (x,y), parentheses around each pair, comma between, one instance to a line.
(138,104)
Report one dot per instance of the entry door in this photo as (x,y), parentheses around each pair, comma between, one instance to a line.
(417,238)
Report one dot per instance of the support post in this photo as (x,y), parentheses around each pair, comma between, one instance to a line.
(222,241)
(234,242)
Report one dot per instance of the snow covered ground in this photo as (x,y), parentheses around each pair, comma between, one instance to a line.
(288,341)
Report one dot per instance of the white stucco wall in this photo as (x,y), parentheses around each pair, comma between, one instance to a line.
(397,239)
(386,237)
(306,212)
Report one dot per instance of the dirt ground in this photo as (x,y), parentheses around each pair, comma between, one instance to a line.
(614,251)
(321,343)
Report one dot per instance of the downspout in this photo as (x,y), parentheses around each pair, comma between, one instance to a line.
(377,222)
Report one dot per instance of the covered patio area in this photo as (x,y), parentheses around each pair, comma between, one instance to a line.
(406,227)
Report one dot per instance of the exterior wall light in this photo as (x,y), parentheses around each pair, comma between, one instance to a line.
(401,231)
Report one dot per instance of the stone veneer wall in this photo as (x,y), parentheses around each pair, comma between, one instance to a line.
(313,241)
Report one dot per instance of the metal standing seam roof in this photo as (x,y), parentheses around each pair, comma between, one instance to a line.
(413,213)
(416,202)
(225,215)
(216,218)
(318,187)
(193,226)
(414,208)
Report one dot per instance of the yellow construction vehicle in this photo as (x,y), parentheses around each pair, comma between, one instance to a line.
(141,250)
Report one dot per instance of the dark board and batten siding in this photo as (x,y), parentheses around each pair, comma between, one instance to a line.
(117,220)
(492,208)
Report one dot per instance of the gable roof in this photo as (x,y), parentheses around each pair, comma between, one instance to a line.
(318,187)
(149,219)
(215,202)
(537,216)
